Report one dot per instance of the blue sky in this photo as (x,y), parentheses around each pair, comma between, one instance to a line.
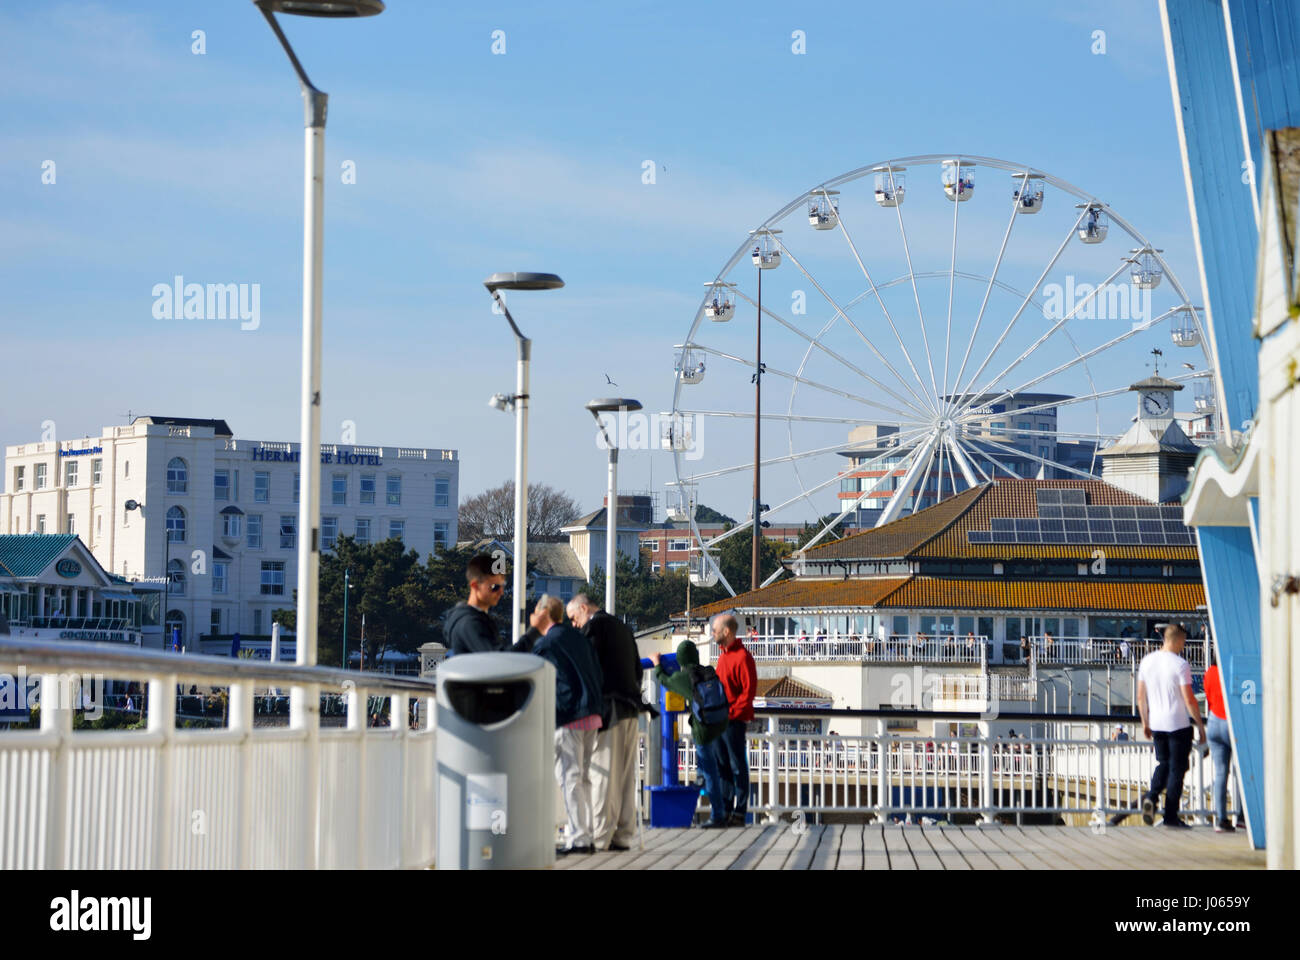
(467,163)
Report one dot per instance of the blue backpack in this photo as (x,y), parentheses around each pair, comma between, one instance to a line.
(708,698)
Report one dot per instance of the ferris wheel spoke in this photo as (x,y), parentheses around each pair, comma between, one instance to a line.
(873,289)
(1046,433)
(749,415)
(816,341)
(919,461)
(1030,456)
(863,495)
(993,279)
(976,452)
(1021,309)
(947,339)
(916,295)
(858,330)
(1127,334)
(1048,335)
(847,446)
(773,371)
(835,478)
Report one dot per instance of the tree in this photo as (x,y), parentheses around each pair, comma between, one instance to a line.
(492,513)
(811,530)
(708,515)
(736,556)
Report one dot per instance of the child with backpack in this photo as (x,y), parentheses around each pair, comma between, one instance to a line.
(707,704)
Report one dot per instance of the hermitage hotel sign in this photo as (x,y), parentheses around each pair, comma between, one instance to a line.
(359,459)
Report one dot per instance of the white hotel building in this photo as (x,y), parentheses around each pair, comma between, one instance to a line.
(222,511)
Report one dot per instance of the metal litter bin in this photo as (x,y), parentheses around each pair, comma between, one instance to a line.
(496,762)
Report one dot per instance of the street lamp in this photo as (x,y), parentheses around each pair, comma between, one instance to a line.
(519,404)
(167,577)
(597,407)
(347,582)
(314,103)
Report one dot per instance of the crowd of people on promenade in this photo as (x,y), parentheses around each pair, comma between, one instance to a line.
(598,680)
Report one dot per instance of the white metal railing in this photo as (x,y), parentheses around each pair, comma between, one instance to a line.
(227,798)
(892,776)
(943,649)
(1107,650)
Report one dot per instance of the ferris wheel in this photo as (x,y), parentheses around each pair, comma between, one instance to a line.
(894,336)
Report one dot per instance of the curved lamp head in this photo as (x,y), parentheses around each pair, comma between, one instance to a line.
(523,281)
(612,405)
(323,8)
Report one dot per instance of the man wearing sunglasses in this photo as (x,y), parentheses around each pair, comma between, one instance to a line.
(470,627)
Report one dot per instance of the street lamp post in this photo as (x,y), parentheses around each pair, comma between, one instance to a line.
(347,582)
(304,701)
(519,404)
(597,407)
(315,103)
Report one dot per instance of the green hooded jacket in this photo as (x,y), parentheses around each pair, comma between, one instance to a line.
(680,683)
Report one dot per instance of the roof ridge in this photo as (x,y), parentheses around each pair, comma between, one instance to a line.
(910,516)
(982,488)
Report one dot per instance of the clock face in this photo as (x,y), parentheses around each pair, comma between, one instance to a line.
(1155,404)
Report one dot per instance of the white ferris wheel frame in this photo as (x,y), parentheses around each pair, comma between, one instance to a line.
(921,437)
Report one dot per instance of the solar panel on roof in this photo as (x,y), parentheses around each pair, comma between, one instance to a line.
(1049,496)
(1171,513)
(1027,537)
(1002,523)
(1126,526)
(1150,526)
(1053,536)
(1173,526)
(1049,511)
(1074,496)
(1124,512)
(1079,525)
(1077,536)
(1052,526)
(1027,524)
(978,536)
(1126,538)
(1099,513)
(1148,513)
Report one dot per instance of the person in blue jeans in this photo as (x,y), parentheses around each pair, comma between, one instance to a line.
(739,678)
(1220,746)
(705,736)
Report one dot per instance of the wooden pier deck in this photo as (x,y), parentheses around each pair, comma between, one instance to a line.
(809,846)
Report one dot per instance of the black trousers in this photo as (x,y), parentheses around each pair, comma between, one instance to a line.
(1173,752)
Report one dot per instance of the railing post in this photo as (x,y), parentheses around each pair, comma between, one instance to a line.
(304,715)
(241,721)
(56,723)
(1103,789)
(882,771)
(162,720)
(986,775)
(358,701)
(773,756)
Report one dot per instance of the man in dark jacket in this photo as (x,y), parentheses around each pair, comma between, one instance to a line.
(613,764)
(682,682)
(577,715)
(469,627)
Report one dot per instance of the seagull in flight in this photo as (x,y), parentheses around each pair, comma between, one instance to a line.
(609,381)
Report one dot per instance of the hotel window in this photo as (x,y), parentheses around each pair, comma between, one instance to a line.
(257,622)
(261,487)
(363,530)
(1024,425)
(297,482)
(367,488)
(40,523)
(679,544)
(329,532)
(230,525)
(221,485)
(441,492)
(20,478)
(255,531)
(176,573)
(1044,452)
(178,476)
(272,582)
(126,469)
(70,473)
(396,528)
(175,525)
(288,531)
(219,577)
(339,489)
(440,535)
(72,523)
(96,471)
(40,476)
(394,489)
(215,622)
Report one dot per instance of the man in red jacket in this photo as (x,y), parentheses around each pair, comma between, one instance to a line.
(739,677)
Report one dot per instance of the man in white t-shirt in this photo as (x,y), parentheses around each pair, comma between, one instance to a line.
(1168,708)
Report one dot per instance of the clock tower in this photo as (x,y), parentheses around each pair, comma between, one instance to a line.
(1152,459)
